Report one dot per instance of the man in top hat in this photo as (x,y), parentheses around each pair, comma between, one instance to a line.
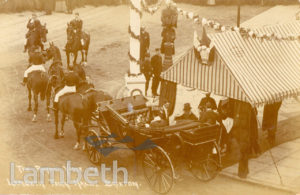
(33,24)
(156,63)
(187,113)
(144,43)
(207,98)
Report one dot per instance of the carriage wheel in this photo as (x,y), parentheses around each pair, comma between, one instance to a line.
(91,145)
(205,170)
(158,170)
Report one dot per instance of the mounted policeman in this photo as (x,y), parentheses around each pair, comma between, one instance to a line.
(77,24)
(36,33)
(77,40)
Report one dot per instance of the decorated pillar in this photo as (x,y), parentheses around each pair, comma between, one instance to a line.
(134,80)
(134,31)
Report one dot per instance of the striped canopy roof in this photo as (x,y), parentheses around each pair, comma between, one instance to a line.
(246,69)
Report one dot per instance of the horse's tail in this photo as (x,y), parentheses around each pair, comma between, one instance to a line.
(44,79)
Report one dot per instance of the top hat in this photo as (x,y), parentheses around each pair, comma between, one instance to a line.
(187,107)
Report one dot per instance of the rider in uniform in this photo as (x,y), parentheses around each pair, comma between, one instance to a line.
(71,80)
(32,25)
(77,24)
(37,60)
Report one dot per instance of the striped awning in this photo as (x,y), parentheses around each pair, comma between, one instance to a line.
(245,69)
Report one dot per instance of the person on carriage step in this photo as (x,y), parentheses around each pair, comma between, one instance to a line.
(33,24)
(37,60)
(146,69)
(207,98)
(187,113)
(209,116)
(156,63)
(71,80)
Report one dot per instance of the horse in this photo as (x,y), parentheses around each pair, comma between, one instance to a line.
(79,106)
(56,77)
(37,84)
(53,53)
(37,37)
(80,71)
(76,43)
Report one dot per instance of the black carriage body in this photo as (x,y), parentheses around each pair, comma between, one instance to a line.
(188,141)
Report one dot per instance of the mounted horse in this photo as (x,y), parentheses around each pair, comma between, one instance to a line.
(37,37)
(77,42)
(79,107)
(37,83)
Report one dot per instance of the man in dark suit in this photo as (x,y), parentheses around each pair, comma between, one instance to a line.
(187,113)
(156,63)
(146,69)
(207,98)
(270,118)
(144,43)
(209,116)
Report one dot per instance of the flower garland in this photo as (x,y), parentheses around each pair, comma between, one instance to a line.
(151,10)
(136,9)
(132,34)
(245,32)
(131,58)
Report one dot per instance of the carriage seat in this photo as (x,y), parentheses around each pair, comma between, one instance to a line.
(131,116)
(205,133)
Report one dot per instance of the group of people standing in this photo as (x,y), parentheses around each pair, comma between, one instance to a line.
(151,67)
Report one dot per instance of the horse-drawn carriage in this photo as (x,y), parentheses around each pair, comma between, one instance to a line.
(161,150)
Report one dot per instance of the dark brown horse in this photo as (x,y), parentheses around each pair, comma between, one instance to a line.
(37,38)
(37,84)
(53,53)
(77,43)
(79,107)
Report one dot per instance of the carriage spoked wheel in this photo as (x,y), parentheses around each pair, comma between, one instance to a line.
(92,145)
(158,170)
(204,170)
